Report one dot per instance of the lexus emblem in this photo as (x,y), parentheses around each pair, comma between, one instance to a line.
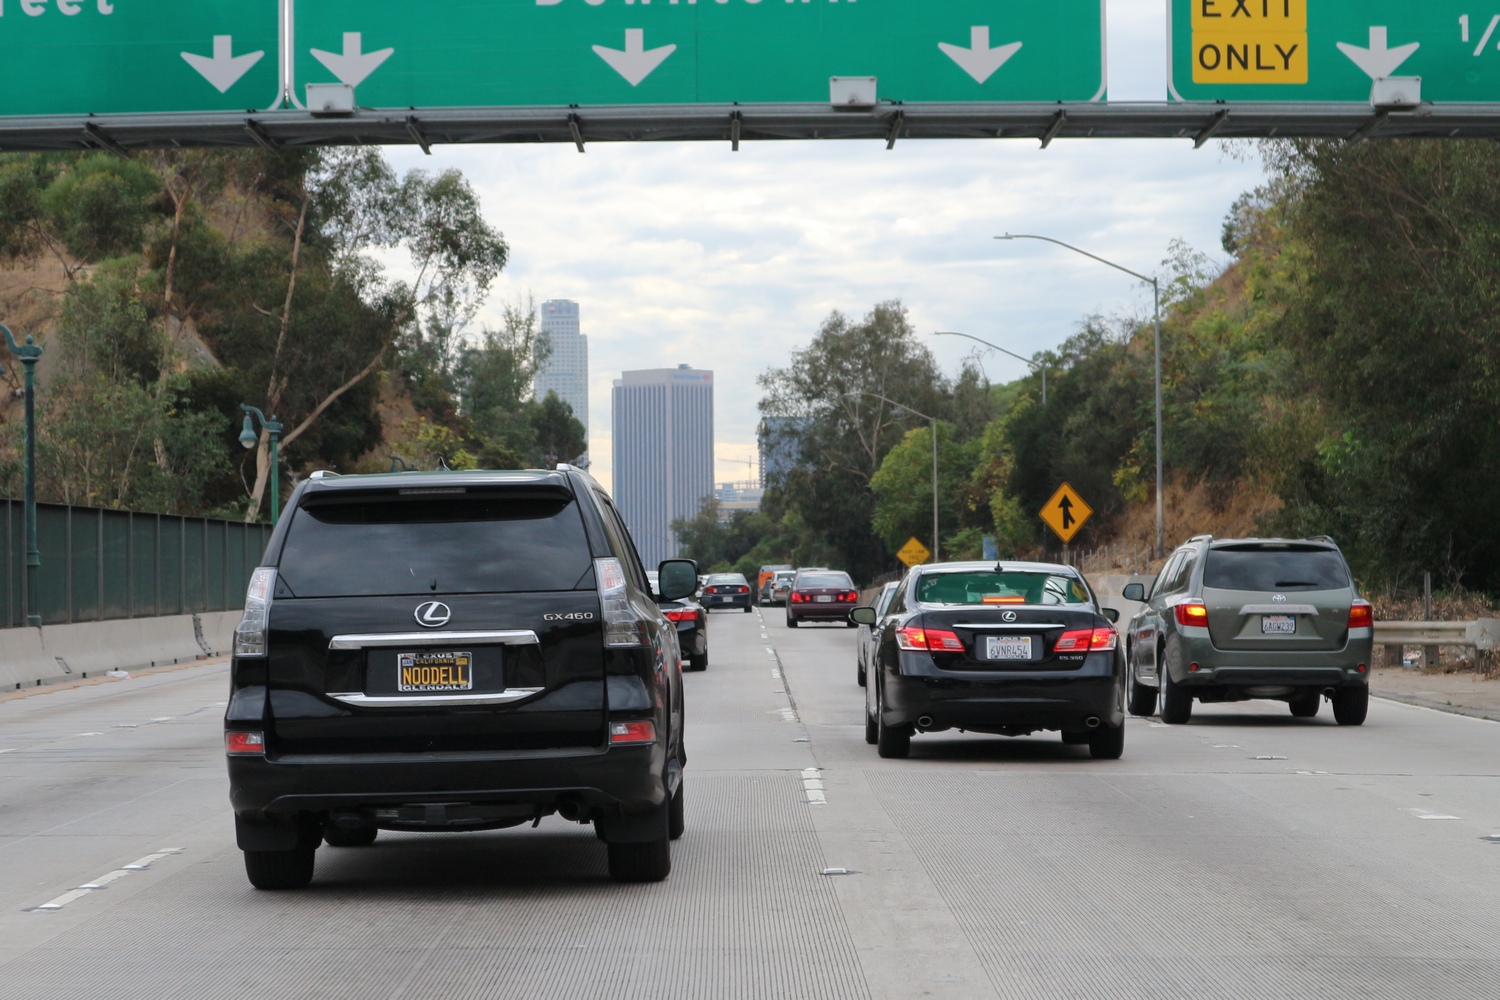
(1278,598)
(433,614)
(1009,616)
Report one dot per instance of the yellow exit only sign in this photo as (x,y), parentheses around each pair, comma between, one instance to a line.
(1250,41)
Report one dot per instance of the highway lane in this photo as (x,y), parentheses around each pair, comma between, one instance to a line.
(1245,855)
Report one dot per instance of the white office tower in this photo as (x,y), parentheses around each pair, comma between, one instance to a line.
(566,370)
(663,453)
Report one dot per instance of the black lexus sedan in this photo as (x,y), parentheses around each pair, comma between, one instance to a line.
(1008,648)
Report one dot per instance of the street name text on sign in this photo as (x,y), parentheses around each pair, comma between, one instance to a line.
(520,53)
(1066,512)
(914,553)
(101,57)
(1331,50)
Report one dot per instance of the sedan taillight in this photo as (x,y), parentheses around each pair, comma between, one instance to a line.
(1084,640)
(683,615)
(933,639)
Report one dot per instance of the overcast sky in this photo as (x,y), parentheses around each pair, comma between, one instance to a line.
(690,253)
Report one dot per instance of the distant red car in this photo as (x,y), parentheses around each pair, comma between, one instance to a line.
(821,596)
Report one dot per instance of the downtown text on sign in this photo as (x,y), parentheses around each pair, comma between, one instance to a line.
(1332,50)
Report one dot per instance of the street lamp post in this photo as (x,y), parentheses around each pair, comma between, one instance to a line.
(249,439)
(933,421)
(1035,366)
(1156,297)
(30,354)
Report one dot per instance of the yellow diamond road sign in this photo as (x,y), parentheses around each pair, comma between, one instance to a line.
(1066,512)
(913,553)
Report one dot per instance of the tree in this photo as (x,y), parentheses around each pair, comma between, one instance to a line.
(903,487)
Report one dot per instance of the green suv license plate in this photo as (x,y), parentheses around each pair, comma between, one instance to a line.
(1278,625)
(1007,648)
(434,673)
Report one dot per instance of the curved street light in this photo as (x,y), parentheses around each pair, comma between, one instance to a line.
(933,421)
(1156,296)
(1035,366)
(250,439)
(30,354)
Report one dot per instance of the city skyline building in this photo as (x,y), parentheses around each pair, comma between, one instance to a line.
(566,370)
(663,458)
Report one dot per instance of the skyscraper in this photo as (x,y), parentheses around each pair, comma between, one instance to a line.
(566,370)
(663,452)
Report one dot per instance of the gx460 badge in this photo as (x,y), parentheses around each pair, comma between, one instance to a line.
(572,616)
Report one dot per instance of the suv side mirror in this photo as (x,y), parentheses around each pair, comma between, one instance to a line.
(863,616)
(1134,592)
(676,579)
(1112,614)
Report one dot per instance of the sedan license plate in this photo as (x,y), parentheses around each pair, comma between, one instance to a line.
(997,647)
(431,673)
(825,599)
(1278,625)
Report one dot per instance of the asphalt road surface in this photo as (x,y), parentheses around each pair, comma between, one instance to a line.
(1246,855)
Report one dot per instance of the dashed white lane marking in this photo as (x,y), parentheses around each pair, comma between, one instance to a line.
(787,714)
(162,718)
(776,673)
(1425,814)
(88,734)
(11,750)
(812,786)
(108,877)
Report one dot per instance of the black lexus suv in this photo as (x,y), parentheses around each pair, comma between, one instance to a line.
(454,651)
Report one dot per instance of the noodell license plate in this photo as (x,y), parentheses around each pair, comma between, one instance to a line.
(434,672)
(1278,625)
(1007,647)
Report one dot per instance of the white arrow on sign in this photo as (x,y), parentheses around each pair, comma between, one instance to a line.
(1378,60)
(222,69)
(979,60)
(352,65)
(637,62)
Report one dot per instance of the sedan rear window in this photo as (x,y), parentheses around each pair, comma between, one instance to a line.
(473,545)
(1284,568)
(989,587)
(819,581)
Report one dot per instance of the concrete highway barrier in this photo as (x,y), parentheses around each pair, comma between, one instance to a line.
(32,657)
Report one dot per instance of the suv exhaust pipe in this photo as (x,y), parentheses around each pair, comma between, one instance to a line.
(1092,722)
(925,722)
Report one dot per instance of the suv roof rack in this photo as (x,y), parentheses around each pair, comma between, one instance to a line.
(1321,538)
(324,474)
(1201,538)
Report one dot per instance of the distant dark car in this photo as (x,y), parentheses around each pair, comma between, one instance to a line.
(821,596)
(692,625)
(1008,649)
(727,590)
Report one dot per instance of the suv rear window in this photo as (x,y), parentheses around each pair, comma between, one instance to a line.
(989,587)
(807,581)
(1284,568)
(469,545)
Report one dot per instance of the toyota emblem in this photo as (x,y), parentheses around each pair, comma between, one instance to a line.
(1278,598)
(433,614)
(1009,616)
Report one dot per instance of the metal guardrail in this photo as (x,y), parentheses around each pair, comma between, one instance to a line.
(1480,634)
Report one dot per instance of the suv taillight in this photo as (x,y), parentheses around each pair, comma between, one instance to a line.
(1361,615)
(1192,613)
(622,626)
(250,635)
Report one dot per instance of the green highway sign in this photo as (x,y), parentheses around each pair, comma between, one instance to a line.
(1331,50)
(518,53)
(99,57)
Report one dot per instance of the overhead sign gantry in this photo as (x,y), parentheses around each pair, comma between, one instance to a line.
(129,74)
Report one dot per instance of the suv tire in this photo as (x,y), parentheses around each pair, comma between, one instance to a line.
(1107,742)
(1306,707)
(650,861)
(891,742)
(280,869)
(1176,704)
(1142,698)
(1351,705)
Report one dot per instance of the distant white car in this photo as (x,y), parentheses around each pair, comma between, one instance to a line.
(781,586)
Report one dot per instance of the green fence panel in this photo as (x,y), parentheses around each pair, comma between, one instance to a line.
(169,558)
(116,570)
(193,555)
(144,565)
(84,544)
(52,580)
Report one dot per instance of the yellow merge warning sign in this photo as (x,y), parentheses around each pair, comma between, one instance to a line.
(1250,41)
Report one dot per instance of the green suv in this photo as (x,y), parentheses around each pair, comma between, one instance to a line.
(1235,619)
